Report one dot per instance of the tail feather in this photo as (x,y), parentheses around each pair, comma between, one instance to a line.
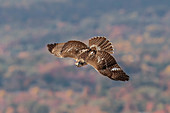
(101,43)
(104,44)
(109,49)
(108,45)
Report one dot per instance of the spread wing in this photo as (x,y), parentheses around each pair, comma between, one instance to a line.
(69,49)
(101,43)
(105,63)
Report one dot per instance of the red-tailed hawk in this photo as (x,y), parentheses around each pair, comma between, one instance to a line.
(97,54)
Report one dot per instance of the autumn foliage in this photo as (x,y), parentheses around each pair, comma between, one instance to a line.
(34,81)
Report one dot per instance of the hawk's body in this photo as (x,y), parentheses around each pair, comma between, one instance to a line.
(98,55)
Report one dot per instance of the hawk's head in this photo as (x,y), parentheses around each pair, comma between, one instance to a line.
(80,63)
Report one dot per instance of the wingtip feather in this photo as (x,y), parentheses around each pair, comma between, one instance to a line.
(51,46)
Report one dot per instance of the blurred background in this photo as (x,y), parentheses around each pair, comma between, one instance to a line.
(34,81)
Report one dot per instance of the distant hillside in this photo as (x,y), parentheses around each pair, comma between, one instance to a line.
(138,29)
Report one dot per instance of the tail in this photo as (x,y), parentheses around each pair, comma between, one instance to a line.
(55,48)
(101,43)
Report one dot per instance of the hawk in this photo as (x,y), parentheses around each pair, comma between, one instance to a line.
(97,54)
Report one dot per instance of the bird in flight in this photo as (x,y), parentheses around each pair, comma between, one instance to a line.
(97,54)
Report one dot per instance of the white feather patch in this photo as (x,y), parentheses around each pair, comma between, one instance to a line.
(84,50)
(70,49)
(97,48)
(91,53)
(115,69)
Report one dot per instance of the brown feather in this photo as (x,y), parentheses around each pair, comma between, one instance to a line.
(56,48)
(51,46)
(107,65)
(97,55)
(73,49)
(101,43)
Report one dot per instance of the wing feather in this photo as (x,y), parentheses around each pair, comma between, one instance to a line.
(69,49)
(97,55)
(107,65)
(56,49)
